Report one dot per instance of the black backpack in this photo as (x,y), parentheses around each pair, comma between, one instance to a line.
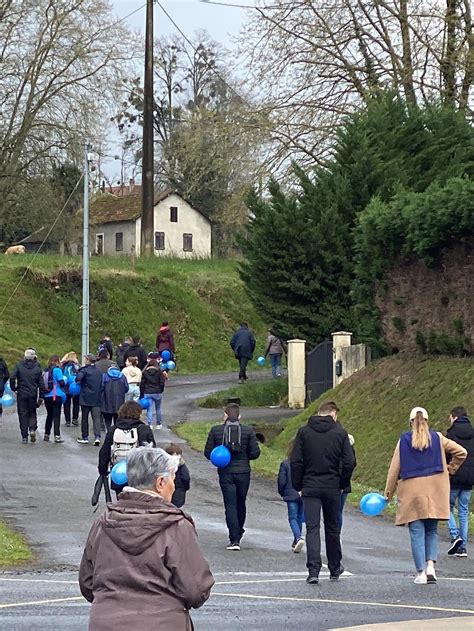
(232,438)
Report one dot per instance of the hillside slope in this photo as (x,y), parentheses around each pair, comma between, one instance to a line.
(204,300)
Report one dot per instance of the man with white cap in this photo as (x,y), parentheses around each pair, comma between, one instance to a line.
(27,381)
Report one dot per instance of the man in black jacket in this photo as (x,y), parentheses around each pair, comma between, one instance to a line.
(234,479)
(322,462)
(462,432)
(27,381)
(90,398)
(136,350)
(243,345)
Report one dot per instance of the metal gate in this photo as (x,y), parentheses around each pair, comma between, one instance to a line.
(319,367)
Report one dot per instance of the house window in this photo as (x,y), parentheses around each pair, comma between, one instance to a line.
(174,214)
(99,244)
(159,240)
(187,242)
(119,241)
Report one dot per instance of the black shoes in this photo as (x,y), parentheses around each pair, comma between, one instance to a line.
(455,545)
(312,580)
(334,576)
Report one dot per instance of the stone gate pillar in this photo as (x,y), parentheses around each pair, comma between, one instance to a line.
(296,374)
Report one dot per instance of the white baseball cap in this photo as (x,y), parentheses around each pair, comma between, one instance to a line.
(415,411)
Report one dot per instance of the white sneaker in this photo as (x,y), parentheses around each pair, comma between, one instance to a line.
(421,579)
(233,546)
(430,574)
(299,545)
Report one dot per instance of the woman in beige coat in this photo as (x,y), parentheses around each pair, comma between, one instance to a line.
(420,476)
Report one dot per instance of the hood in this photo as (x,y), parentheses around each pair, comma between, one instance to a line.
(128,423)
(114,373)
(153,369)
(461,428)
(321,424)
(133,347)
(137,519)
(164,329)
(29,363)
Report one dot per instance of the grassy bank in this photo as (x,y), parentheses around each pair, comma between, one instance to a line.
(251,394)
(204,300)
(14,550)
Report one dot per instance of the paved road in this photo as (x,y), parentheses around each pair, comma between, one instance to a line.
(45,492)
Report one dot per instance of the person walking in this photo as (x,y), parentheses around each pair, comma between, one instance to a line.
(114,389)
(133,375)
(132,432)
(462,432)
(275,348)
(104,362)
(152,387)
(27,382)
(120,352)
(105,343)
(182,481)
(4,377)
(142,567)
(419,474)
(243,345)
(321,465)
(234,479)
(136,350)
(293,500)
(54,398)
(90,399)
(70,368)
(165,339)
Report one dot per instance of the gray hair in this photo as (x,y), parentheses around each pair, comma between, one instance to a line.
(145,464)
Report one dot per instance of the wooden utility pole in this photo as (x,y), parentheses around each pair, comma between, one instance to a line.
(146,240)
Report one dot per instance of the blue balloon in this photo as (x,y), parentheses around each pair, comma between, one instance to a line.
(220,456)
(261,360)
(145,403)
(373,504)
(71,379)
(170,365)
(162,366)
(119,473)
(7,387)
(165,356)
(7,400)
(74,388)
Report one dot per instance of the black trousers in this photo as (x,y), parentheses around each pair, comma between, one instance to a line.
(243,361)
(74,402)
(109,419)
(96,419)
(330,501)
(53,415)
(234,487)
(26,407)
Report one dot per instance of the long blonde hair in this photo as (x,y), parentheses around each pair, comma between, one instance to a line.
(70,357)
(420,436)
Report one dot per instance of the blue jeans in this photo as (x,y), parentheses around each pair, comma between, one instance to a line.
(275,361)
(156,400)
(424,541)
(341,509)
(133,393)
(296,517)
(463,496)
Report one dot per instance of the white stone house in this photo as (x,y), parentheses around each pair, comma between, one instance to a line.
(179,229)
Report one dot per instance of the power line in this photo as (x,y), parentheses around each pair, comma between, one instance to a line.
(247,6)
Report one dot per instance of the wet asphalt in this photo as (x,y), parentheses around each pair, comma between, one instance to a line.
(45,493)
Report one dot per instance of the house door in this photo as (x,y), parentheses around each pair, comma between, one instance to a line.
(319,366)
(99,244)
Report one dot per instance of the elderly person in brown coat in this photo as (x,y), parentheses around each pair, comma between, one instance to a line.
(142,568)
(420,475)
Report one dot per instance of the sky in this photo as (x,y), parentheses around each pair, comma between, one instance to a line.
(221,22)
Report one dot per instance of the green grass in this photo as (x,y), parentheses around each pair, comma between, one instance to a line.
(204,300)
(252,394)
(14,549)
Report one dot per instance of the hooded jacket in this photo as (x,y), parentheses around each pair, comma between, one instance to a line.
(165,340)
(90,378)
(285,486)
(142,567)
(153,381)
(114,389)
(462,432)
(322,457)
(182,483)
(240,462)
(137,350)
(27,380)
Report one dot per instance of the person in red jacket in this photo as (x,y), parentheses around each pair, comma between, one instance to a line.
(165,340)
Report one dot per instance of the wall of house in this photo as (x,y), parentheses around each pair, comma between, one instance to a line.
(109,230)
(189,221)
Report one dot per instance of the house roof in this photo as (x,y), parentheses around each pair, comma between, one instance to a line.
(108,208)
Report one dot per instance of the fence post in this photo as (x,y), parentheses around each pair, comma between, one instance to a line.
(296,374)
(340,339)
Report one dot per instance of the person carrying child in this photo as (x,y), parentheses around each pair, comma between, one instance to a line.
(182,481)
(293,501)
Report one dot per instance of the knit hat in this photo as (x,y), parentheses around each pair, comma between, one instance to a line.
(30,353)
(414,412)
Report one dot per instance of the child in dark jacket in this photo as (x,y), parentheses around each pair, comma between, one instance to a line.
(293,501)
(182,481)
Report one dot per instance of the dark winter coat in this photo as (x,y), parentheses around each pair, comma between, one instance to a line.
(145,437)
(27,380)
(4,375)
(165,340)
(462,432)
(285,486)
(182,484)
(153,381)
(120,354)
(114,389)
(137,350)
(90,378)
(322,457)
(243,343)
(142,567)
(240,462)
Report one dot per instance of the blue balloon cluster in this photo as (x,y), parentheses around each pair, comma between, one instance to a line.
(373,504)
(119,473)
(220,456)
